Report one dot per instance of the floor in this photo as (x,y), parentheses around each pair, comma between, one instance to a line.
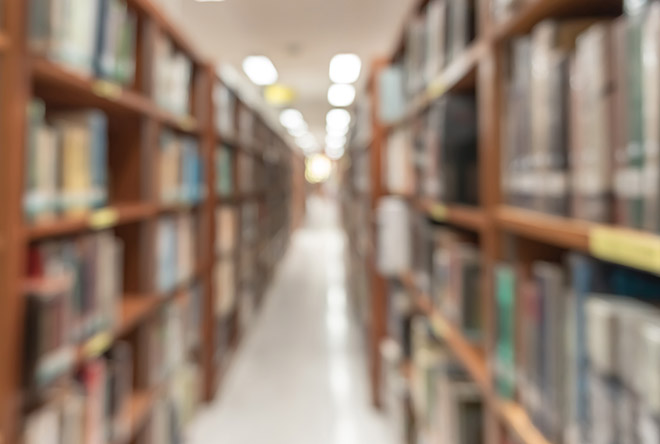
(300,375)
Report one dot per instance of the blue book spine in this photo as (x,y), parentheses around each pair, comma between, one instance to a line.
(98,124)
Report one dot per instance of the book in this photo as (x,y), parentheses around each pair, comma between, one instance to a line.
(224,170)
(114,57)
(394,237)
(225,111)
(398,174)
(180,169)
(65,32)
(226,220)
(172,77)
(175,252)
(505,371)
(73,290)
(66,164)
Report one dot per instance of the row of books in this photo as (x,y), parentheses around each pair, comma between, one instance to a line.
(580,138)
(578,345)
(94,37)
(435,38)
(181,169)
(66,163)
(436,157)
(173,76)
(447,404)
(92,408)
(72,293)
(176,250)
(94,405)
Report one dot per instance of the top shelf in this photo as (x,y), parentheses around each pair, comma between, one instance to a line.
(533,12)
(156,13)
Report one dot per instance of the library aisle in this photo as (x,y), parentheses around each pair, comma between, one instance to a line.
(300,375)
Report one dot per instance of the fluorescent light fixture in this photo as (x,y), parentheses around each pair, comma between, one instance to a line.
(307,142)
(335,153)
(335,142)
(341,95)
(337,132)
(292,118)
(298,132)
(337,119)
(345,68)
(260,70)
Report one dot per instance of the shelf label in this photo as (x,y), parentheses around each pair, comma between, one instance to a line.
(97,345)
(438,212)
(439,326)
(625,247)
(188,123)
(436,89)
(102,219)
(107,90)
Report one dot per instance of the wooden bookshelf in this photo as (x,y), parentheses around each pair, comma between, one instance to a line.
(498,229)
(135,122)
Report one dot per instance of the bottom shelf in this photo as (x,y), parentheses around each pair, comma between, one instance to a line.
(474,360)
(137,411)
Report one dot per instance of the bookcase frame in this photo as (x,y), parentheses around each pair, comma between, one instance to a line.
(20,72)
(479,68)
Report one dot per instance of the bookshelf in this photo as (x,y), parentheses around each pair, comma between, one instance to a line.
(156,225)
(504,232)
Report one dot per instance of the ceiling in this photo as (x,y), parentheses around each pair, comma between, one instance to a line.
(299,36)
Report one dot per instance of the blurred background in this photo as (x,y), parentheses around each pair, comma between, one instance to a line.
(419,221)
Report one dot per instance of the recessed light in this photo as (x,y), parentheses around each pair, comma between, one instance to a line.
(345,68)
(334,141)
(338,119)
(335,153)
(337,132)
(260,70)
(341,95)
(292,118)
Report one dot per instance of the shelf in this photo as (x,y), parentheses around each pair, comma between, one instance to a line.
(460,75)
(155,12)
(135,309)
(534,12)
(179,207)
(184,124)
(98,220)
(138,409)
(464,216)
(474,360)
(5,42)
(553,230)
(56,83)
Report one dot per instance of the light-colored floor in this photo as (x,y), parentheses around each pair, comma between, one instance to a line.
(300,376)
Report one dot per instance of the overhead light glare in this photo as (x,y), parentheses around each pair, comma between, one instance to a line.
(341,95)
(260,70)
(292,118)
(335,153)
(345,68)
(337,119)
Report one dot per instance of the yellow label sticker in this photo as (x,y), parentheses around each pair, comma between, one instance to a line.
(439,326)
(625,247)
(97,345)
(438,212)
(102,219)
(436,89)
(107,90)
(188,123)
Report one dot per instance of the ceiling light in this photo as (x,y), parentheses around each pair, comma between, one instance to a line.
(335,153)
(307,142)
(337,119)
(335,142)
(279,95)
(337,132)
(341,95)
(298,132)
(345,68)
(292,118)
(317,168)
(260,70)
